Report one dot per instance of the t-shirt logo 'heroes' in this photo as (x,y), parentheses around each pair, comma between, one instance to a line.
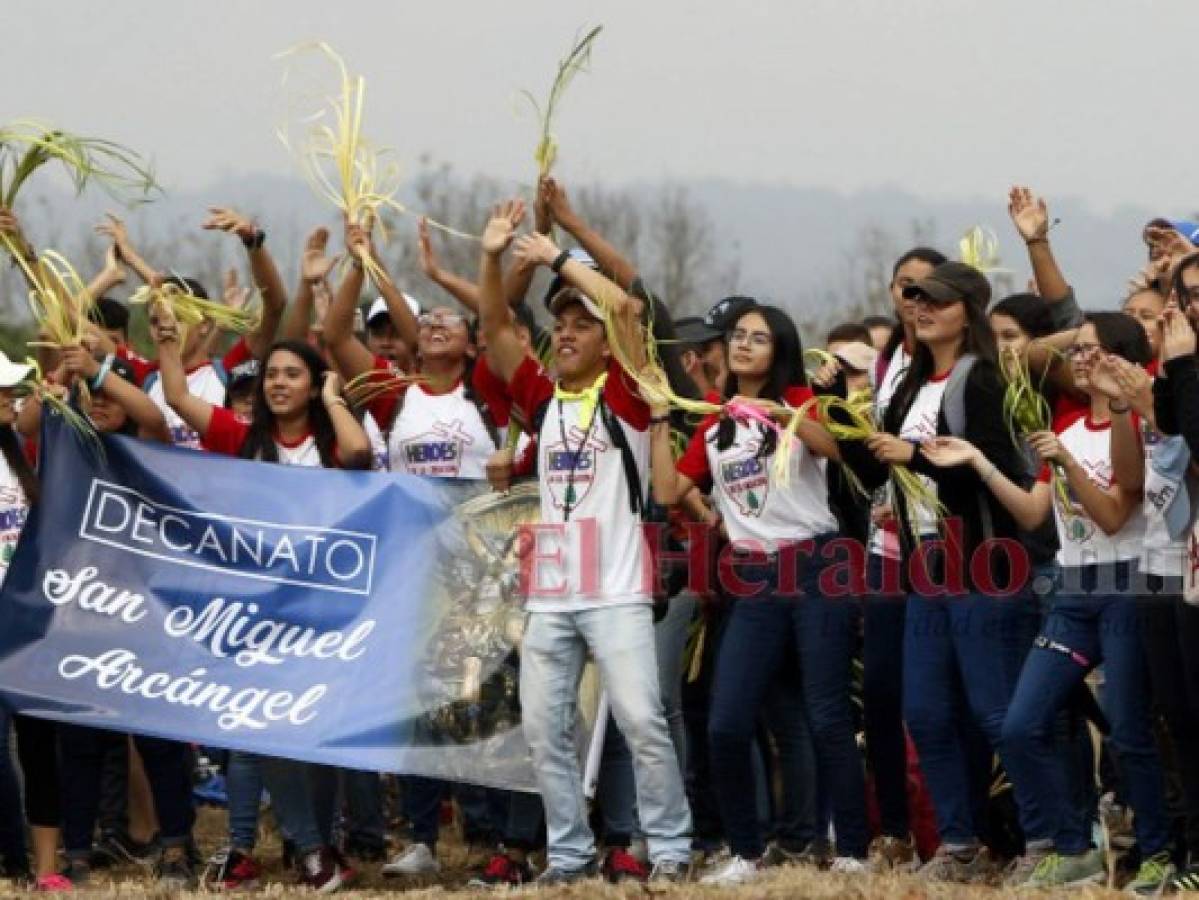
(570,467)
(437,451)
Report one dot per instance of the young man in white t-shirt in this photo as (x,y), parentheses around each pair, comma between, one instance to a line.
(588,590)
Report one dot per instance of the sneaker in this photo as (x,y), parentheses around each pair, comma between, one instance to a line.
(849,865)
(1151,879)
(969,866)
(1186,880)
(415,859)
(621,865)
(236,871)
(114,849)
(319,870)
(1021,868)
(554,876)
(736,871)
(503,871)
(889,854)
(78,872)
(53,884)
(174,871)
(1061,870)
(670,872)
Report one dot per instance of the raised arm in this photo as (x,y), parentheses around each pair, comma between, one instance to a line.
(193,410)
(145,413)
(349,354)
(114,229)
(1030,215)
(109,277)
(262,270)
(10,227)
(461,289)
(505,352)
(353,445)
(606,256)
(315,267)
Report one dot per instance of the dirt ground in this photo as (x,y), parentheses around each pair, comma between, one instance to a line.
(460,861)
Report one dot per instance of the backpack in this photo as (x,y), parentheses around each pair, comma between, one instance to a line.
(217,366)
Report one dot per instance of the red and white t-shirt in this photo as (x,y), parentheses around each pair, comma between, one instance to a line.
(1083,542)
(203,381)
(226,433)
(598,555)
(755,511)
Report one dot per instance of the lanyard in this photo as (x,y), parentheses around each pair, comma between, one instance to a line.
(569,501)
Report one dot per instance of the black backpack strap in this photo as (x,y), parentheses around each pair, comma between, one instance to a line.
(629,464)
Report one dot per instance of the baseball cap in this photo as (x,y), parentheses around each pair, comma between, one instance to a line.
(378,308)
(693,330)
(857,356)
(952,281)
(12,373)
(246,371)
(570,295)
(725,312)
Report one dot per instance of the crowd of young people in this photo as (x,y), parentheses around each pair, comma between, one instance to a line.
(882,618)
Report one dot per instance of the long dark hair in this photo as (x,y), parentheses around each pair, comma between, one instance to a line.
(1122,335)
(1028,311)
(260,441)
(786,371)
(19,465)
(977,338)
(924,254)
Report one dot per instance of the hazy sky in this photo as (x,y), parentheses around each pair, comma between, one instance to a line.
(942,97)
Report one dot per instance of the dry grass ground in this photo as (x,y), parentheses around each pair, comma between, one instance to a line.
(459,861)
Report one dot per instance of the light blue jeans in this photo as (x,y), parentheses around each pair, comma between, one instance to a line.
(621,640)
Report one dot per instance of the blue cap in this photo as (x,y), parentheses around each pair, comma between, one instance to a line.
(1188,230)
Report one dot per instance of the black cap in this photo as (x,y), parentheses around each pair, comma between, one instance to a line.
(723,314)
(952,281)
(692,330)
(246,371)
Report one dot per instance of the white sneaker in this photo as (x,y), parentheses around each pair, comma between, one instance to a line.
(849,865)
(416,859)
(735,871)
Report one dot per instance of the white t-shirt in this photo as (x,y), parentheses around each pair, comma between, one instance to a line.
(378,443)
(14,509)
(1083,542)
(439,435)
(226,434)
(885,541)
(753,509)
(603,558)
(202,382)
(919,425)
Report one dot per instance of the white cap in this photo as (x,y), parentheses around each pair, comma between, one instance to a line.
(857,356)
(379,307)
(12,373)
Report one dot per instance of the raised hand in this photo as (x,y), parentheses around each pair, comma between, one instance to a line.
(78,360)
(9,224)
(114,270)
(429,263)
(501,228)
(224,218)
(167,331)
(315,266)
(1178,335)
(358,241)
(331,389)
(1167,242)
(536,250)
(1102,376)
(233,294)
(1029,213)
(553,195)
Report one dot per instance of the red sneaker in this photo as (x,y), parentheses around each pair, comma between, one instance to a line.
(621,865)
(502,871)
(239,872)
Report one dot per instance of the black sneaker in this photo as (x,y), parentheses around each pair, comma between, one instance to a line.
(78,872)
(1186,880)
(174,870)
(554,875)
(114,849)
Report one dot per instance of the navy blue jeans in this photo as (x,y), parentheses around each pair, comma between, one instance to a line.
(761,626)
(1093,619)
(962,658)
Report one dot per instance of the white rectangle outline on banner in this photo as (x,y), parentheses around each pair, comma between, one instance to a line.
(373,539)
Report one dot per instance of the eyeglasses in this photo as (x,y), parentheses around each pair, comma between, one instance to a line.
(757,338)
(442,319)
(1082,350)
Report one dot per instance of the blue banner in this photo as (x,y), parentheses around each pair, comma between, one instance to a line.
(366,620)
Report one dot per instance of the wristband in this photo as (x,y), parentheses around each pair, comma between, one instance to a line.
(255,240)
(987,478)
(660,420)
(105,368)
(1119,410)
(338,401)
(1037,240)
(559,261)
